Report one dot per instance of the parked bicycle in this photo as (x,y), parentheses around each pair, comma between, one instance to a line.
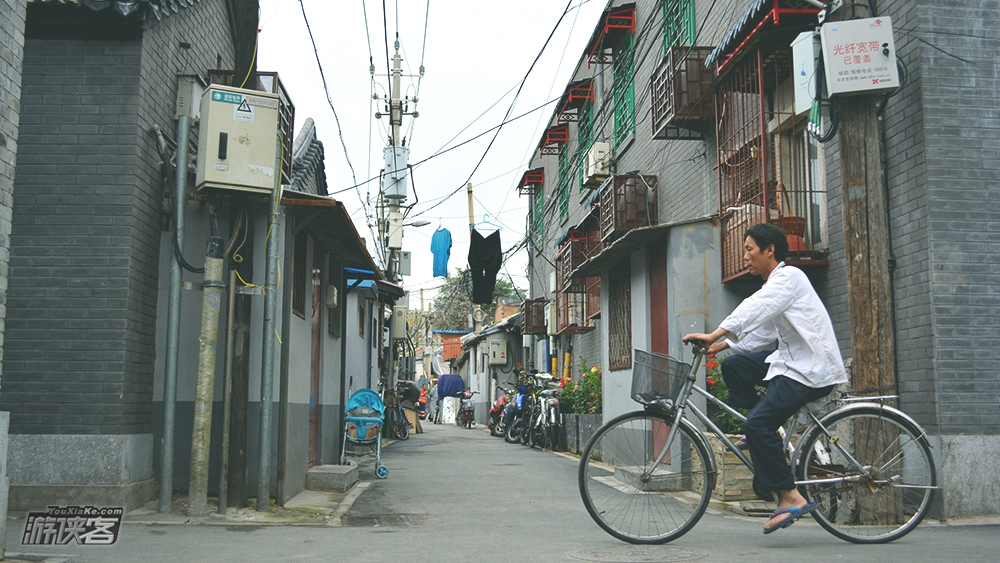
(647,476)
(396,424)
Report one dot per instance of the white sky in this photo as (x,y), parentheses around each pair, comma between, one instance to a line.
(476,54)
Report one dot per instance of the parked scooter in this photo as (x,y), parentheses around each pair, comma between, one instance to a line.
(496,421)
(467,413)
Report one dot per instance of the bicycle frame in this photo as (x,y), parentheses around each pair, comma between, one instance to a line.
(684,403)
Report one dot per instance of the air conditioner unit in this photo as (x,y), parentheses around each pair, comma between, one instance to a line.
(597,161)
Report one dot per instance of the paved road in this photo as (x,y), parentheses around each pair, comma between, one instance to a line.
(457,495)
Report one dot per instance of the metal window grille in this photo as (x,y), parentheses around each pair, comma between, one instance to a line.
(594,297)
(769,169)
(620,317)
(679,27)
(624,91)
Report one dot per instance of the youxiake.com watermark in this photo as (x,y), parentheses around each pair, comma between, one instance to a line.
(86,525)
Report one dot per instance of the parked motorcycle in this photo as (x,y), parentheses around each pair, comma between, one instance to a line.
(518,409)
(467,412)
(496,421)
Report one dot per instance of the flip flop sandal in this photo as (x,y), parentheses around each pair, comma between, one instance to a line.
(741,444)
(795,514)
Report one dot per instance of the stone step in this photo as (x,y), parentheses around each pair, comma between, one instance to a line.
(331,477)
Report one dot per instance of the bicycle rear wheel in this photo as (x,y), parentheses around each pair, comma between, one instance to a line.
(637,505)
(885,501)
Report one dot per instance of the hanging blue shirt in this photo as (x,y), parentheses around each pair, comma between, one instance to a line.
(441,248)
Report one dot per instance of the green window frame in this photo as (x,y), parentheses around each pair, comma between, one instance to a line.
(679,27)
(538,217)
(584,137)
(563,190)
(624,91)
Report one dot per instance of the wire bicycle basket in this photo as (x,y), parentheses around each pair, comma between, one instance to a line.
(657,378)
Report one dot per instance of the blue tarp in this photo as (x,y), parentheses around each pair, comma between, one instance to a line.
(450,385)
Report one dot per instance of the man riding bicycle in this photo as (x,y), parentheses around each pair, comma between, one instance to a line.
(805,367)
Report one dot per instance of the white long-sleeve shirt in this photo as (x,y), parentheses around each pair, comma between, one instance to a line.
(787,309)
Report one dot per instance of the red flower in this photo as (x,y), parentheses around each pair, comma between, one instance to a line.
(710,380)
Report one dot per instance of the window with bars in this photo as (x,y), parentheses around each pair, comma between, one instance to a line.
(770,169)
(538,217)
(679,27)
(620,317)
(563,189)
(584,137)
(624,91)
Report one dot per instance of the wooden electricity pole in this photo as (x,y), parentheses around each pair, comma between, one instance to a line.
(866,243)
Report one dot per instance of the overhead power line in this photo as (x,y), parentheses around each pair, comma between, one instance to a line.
(322,76)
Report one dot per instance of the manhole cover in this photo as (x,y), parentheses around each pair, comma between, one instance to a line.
(373,520)
(637,554)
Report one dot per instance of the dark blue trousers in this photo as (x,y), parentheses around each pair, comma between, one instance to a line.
(784,397)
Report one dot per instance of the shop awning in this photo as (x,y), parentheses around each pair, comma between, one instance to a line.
(328,221)
(760,15)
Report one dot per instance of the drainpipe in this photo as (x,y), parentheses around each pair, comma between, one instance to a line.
(227,396)
(270,311)
(187,102)
(201,436)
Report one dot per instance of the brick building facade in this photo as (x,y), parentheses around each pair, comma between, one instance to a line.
(939,145)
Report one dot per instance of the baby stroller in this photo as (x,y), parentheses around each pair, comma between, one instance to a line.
(363,416)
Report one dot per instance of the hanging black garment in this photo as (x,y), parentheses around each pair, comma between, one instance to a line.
(485,258)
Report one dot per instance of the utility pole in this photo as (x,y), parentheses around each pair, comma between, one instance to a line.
(477,310)
(394,184)
(866,241)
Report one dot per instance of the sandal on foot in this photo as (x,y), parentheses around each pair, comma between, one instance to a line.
(741,444)
(794,514)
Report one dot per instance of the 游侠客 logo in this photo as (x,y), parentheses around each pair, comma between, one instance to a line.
(86,525)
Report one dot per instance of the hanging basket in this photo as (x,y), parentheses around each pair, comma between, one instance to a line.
(793,226)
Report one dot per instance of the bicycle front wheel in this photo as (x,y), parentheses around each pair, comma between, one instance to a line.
(402,427)
(884,499)
(634,501)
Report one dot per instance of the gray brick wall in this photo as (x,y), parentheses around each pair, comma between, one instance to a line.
(962,135)
(942,134)
(86,223)
(11,55)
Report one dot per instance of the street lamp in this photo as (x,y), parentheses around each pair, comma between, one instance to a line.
(418,223)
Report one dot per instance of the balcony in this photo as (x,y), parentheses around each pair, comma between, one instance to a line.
(628,201)
(533,319)
(770,169)
(682,106)
(571,255)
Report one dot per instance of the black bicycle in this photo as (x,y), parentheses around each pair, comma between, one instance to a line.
(396,425)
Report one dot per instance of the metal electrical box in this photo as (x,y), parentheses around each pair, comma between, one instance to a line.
(237,139)
(405,260)
(805,56)
(498,351)
(399,323)
(859,56)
